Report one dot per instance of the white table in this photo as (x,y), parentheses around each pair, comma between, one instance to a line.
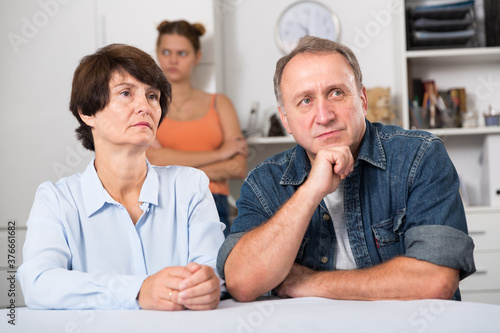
(271,315)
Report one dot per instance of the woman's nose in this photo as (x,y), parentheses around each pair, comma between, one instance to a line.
(143,105)
(173,58)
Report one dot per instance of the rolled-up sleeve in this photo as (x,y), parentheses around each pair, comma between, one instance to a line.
(225,249)
(435,229)
(441,245)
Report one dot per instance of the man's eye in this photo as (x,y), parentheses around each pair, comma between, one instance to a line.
(165,52)
(183,53)
(337,93)
(306,101)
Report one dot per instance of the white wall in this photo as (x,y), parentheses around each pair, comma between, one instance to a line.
(41,44)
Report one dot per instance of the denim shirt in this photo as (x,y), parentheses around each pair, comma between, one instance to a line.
(402,199)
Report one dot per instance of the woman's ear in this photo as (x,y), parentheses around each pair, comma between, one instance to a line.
(88,120)
(198,57)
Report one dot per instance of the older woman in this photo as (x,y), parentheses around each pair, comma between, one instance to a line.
(123,234)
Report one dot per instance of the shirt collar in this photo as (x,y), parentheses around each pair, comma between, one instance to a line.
(95,195)
(371,151)
(150,187)
(298,167)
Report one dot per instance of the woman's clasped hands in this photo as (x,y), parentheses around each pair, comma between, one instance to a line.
(194,287)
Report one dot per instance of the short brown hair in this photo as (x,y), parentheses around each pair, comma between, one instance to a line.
(315,45)
(192,32)
(90,89)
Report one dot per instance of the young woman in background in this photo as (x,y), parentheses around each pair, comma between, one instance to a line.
(201,130)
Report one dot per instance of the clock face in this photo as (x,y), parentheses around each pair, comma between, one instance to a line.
(306,18)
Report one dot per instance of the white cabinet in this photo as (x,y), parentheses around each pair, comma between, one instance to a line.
(484,228)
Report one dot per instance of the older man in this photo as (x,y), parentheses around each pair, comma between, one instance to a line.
(356,210)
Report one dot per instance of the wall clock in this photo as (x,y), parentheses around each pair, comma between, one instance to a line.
(305,18)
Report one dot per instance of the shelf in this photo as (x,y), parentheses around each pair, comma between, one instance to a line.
(265,140)
(484,54)
(465,131)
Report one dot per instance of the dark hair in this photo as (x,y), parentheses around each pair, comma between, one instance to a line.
(192,32)
(90,89)
(315,45)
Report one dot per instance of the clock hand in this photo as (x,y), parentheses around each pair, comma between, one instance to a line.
(304,28)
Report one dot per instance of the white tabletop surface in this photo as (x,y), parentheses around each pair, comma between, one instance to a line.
(270,315)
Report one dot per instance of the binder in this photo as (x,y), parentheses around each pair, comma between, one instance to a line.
(442,26)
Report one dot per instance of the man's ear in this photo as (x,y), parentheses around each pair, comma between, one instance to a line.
(364,100)
(89,120)
(284,119)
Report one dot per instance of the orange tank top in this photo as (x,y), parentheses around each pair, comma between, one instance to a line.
(203,134)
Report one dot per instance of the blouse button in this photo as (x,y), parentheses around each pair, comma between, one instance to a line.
(324,260)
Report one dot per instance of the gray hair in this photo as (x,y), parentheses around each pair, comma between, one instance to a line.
(315,45)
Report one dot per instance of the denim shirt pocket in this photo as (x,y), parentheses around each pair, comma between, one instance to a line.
(388,236)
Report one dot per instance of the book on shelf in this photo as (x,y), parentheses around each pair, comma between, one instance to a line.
(439,108)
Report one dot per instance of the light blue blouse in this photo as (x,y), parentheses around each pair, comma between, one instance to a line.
(82,250)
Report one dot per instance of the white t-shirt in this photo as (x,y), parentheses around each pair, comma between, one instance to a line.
(344,259)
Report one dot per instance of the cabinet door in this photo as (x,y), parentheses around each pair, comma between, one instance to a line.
(487,276)
(134,23)
(484,228)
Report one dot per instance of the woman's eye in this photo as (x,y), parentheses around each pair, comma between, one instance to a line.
(165,52)
(125,93)
(153,97)
(183,53)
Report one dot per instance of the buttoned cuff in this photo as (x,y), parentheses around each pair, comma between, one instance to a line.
(225,249)
(441,245)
